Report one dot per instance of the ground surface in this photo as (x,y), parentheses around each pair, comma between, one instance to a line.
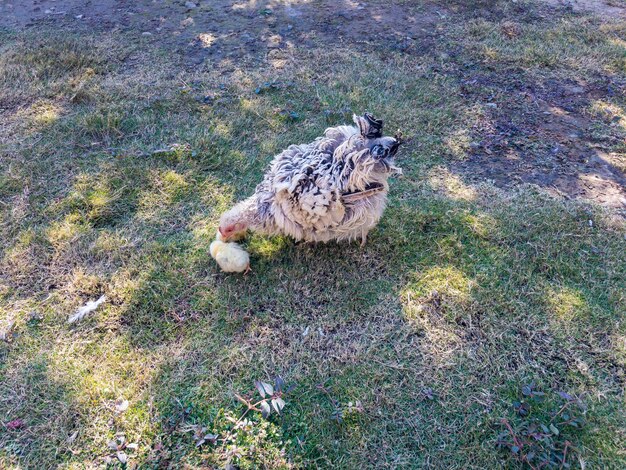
(126,128)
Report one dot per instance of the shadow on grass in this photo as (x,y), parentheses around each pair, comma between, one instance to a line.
(444,298)
(44,404)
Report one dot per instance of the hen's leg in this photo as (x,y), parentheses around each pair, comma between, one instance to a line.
(363,239)
(303,244)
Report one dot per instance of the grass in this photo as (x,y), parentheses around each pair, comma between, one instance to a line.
(112,181)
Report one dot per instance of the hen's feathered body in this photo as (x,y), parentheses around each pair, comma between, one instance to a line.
(334,188)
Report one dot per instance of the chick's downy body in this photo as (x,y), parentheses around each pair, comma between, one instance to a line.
(231,257)
(334,188)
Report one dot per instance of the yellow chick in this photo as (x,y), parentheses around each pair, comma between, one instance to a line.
(230,256)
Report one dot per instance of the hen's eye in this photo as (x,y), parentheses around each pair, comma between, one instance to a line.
(378,151)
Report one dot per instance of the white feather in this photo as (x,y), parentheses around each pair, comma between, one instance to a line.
(85,309)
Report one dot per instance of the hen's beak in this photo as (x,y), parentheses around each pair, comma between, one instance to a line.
(396,145)
(219,229)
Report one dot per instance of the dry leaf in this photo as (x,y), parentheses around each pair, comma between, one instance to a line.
(121,405)
(15,424)
(73,437)
(122,457)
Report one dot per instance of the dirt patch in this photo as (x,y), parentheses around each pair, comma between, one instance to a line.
(606,8)
(542,134)
(220,29)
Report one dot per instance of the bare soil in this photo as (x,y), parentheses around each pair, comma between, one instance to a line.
(541,134)
(220,32)
(230,29)
(612,8)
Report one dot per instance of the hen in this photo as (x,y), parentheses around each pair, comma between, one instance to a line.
(334,188)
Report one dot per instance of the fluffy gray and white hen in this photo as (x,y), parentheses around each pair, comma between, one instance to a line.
(334,188)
